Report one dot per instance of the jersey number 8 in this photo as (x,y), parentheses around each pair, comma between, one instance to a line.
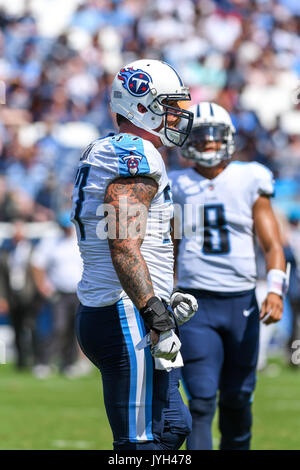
(216,235)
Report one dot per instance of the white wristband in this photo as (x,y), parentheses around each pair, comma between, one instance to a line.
(277,282)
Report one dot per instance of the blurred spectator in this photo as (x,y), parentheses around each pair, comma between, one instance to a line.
(7,206)
(57,265)
(18,294)
(57,72)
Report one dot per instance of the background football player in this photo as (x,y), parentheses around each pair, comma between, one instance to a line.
(128,258)
(220,343)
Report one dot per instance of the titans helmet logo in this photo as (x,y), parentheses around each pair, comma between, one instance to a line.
(135,81)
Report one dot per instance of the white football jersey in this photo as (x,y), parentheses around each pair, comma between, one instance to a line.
(220,255)
(114,156)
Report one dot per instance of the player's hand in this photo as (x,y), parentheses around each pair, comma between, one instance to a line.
(167,346)
(272,308)
(184,306)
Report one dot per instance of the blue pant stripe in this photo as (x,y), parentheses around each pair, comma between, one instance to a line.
(149,378)
(133,371)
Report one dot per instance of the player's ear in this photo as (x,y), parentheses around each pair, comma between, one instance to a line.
(141,108)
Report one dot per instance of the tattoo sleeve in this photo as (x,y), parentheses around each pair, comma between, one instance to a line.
(130,199)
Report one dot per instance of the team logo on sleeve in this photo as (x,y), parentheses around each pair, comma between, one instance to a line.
(135,81)
(132,162)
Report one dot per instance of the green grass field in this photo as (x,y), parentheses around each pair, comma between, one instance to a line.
(61,413)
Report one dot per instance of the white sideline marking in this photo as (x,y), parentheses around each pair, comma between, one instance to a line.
(2,352)
(76,444)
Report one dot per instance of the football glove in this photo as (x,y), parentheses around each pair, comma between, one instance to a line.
(167,347)
(184,306)
(156,315)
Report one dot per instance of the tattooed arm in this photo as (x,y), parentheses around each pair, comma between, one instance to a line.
(131,199)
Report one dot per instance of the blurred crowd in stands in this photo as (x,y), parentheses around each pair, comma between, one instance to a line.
(57,61)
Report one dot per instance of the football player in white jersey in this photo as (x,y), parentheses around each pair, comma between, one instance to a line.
(220,342)
(122,208)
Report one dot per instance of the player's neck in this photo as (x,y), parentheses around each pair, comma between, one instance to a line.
(129,128)
(210,173)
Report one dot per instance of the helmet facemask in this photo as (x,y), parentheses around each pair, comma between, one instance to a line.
(174,131)
(209,132)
